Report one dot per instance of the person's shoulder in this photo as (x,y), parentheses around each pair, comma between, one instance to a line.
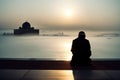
(75,39)
(87,40)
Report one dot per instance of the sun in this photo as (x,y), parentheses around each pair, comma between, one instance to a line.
(69,12)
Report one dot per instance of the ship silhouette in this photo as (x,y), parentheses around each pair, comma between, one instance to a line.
(26,29)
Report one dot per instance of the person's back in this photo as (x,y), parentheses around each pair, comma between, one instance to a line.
(80,50)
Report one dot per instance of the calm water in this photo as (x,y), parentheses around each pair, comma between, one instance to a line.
(55,47)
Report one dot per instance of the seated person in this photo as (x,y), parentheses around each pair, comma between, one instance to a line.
(81,50)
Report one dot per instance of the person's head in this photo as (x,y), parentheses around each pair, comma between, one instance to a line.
(81,34)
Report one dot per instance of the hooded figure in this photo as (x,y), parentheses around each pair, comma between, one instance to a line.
(81,50)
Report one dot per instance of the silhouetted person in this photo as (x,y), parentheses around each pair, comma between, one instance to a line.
(81,50)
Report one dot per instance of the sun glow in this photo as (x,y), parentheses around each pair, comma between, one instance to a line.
(69,12)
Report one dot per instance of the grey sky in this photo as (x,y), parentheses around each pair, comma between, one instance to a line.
(51,14)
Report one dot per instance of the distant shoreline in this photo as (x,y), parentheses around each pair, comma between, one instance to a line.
(57,34)
(63,33)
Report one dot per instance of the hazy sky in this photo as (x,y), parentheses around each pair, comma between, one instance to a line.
(61,14)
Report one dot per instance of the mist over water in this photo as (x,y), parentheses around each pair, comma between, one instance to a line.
(57,47)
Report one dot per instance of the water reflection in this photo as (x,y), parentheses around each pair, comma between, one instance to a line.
(57,48)
(50,75)
(66,47)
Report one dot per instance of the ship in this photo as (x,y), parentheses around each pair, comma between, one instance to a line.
(26,29)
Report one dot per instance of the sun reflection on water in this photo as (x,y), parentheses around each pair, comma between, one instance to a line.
(67,47)
(54,74)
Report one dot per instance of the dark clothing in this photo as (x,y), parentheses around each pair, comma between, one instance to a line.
(81,51)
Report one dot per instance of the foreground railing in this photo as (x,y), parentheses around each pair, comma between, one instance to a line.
(57,64)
